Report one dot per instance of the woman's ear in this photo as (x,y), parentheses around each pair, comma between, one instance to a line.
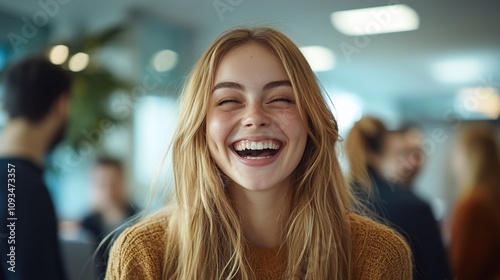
(62,106)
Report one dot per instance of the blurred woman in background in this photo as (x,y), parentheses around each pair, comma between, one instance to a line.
(475,226)
(376,160)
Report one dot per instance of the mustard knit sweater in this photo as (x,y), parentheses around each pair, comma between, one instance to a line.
(378,253)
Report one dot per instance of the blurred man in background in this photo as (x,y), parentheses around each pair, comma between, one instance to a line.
(403,162)
(379,162)
(111,205)
(36,99)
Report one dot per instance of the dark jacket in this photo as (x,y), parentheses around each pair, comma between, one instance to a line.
(413,218)
(94,224)
(30,247)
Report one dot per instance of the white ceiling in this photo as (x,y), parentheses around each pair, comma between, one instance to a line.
(390,65)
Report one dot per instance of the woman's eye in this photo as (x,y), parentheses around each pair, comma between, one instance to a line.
(227,101)
(282,99)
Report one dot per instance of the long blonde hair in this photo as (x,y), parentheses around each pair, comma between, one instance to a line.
(205,239)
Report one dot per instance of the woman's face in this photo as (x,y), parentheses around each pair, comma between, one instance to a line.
(254,131)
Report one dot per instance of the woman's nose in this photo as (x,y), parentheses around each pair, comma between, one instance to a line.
(255,116)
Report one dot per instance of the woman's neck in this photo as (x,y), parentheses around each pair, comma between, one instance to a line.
(264,214)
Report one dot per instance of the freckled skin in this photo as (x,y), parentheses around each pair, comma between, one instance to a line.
(252,110)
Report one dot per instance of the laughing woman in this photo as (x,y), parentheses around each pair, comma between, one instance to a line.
(259,191)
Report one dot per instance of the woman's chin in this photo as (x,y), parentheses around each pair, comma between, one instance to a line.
(256,184)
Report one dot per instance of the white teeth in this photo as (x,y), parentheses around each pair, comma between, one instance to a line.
(257,157)
(257,145)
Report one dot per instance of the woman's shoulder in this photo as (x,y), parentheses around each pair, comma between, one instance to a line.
(476,198)
(147,229)
(378,251)
(476,207)
(138,252)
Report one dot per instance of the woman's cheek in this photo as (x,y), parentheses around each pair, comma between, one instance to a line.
(218,127)
(290,118)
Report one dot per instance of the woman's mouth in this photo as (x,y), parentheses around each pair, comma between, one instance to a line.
(261,149)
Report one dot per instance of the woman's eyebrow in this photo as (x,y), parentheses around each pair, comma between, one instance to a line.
(232,85)
(275,84)
(268,86)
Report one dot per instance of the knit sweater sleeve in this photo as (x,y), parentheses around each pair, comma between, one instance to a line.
(379,253)
(138,252)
